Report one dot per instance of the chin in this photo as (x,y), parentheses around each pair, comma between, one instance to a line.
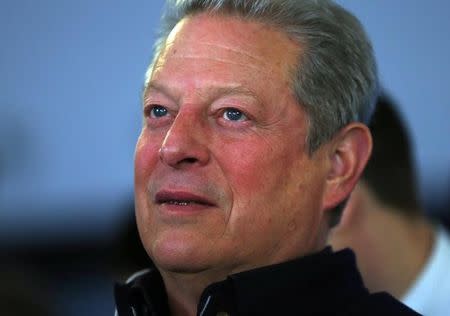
(179,253)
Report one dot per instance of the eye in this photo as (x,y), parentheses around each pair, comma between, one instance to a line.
(232,114)
(157,111)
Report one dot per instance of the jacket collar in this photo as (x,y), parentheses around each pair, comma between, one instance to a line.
(301,285)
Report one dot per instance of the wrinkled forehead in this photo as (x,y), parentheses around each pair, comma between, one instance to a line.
(253,42)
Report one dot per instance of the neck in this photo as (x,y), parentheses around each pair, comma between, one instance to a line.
(398,249)
(184,291)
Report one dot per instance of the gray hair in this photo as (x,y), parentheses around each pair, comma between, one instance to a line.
(335,79)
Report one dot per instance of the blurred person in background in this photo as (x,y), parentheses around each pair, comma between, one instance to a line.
(398,249)
(253,136)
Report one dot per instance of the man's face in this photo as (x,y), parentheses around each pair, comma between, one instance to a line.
(223,180)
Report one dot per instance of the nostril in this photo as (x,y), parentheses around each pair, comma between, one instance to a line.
(189,160)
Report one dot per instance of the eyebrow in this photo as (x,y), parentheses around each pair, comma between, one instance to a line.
(153,86)
(213,91)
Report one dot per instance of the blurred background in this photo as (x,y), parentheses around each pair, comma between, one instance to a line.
(70,85)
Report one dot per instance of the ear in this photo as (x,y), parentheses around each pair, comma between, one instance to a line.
(348,153)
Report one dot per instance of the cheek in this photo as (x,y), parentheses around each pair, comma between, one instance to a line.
(259,175)
(262,167)
(246,169)
(269,180)
(145,159)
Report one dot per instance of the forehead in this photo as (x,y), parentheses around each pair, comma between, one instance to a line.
(234,32)
(221,40)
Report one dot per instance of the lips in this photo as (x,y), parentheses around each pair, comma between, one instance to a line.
(181,199)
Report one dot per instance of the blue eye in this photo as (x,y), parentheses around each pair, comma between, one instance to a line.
(232,114)
(158,111)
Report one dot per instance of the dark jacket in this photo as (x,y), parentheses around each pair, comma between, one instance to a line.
(325,283)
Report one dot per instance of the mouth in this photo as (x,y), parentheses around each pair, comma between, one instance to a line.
(181,199)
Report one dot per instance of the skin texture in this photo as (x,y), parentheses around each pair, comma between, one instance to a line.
(256,196)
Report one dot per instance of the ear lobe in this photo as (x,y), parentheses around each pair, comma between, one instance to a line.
(349,152)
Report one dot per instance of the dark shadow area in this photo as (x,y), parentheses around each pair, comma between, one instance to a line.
(69,277)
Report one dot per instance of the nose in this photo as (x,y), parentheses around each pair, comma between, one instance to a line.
(186,142)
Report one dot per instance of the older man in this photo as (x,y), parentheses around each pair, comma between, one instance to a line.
(252,138)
